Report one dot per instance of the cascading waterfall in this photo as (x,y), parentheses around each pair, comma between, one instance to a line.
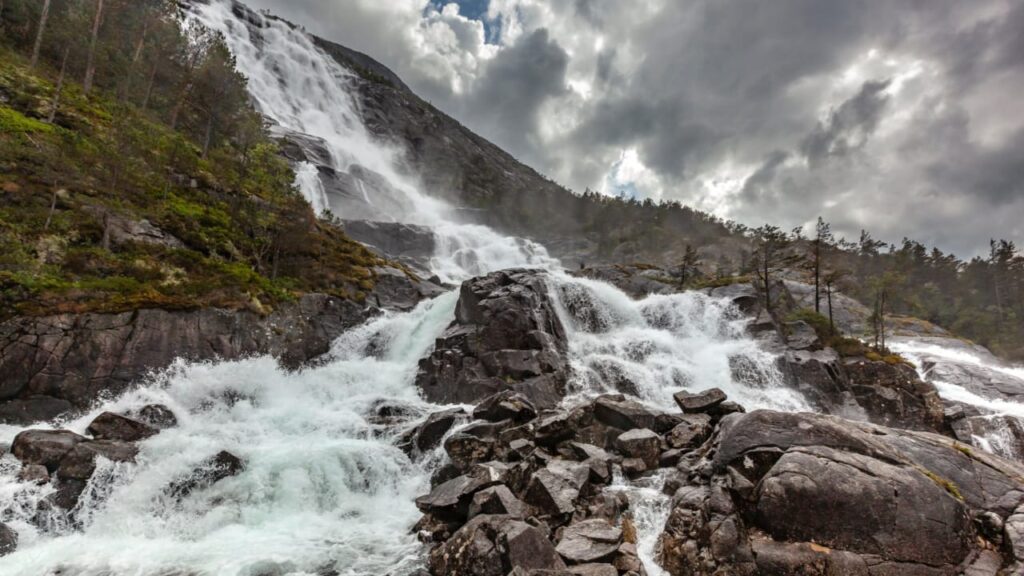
(324,486)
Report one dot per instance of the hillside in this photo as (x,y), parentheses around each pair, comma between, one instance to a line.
(141,195)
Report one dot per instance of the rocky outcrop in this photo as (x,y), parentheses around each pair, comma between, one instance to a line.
(506,336)
(795,494)
(534,498)
(54,363)
(636,280)
(409,244)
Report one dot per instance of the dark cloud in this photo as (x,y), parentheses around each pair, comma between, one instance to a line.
(848,126)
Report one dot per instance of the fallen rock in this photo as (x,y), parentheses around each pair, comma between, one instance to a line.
(699,402)
(80,462)
(691,432)
(110,426)
(623,413)
(157,416)
(212,470)
(505,405)
(588,541)
(8,539)
(467,449)
(555,488)
(45,447)
(428,435)
(451,499)
(642,444)
(491,545)
(35,473)
(593,570)
(498,500)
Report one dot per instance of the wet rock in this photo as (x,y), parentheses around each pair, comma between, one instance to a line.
(45,447)
(593,570)
(624,414)
(699,402)
(466,449)
(407,243)
(212,470)
(35,473)
(506,405)
(80,462)
(428,435)
(634,467)
(157,416)
(53,363)
(491,545)
(552,428)
(37,408)
(8,539)
(451,500)
(627,560)
(555,488)
(588,541)
(110,426)
(642,444)
(801,336)
(506,336)
(498,500)
(690,433)
(520,449)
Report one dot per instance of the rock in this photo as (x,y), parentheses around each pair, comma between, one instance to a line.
(641,443)
(157,416)
(506,336)
(490,545)
(394,289)
(451,500)
(592,540)
(466,449)
(35,473)
(110,426)
(634,467)
(893,395)
(8,539)
(550,429)
(690,433)
(80,462)
(428,435)
(593,570)
(498,500)
(801,336)
(555,488)
(624,414)
(505,405)
(787,493)
(409,244)
(520,449)
(700,402)
(32,409)
(212,470)
(67,360)
(45,447)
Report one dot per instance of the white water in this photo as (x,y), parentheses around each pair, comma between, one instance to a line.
(997,409)
(324,487)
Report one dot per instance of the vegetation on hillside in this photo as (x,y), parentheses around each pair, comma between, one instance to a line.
(135,172)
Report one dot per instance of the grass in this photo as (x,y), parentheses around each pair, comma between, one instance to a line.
(947,485)
(247,238)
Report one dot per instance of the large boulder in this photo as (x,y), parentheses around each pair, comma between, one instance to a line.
(494,545)
(210,471)
(796,494)
(110,426)
(592,540)
(8,539)
(506,336)
(44,447)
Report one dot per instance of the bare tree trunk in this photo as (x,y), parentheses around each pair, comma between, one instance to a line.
(176,112)
(767,285)
(817,275)
(126,83)
(60,86)
(90,67)
(106,231)
(53,207)
(831,322)
(39,34)
(881,319)
(208,136)
(149,86)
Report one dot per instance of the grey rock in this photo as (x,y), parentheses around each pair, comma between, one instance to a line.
(157,416)
(641,443)
(498,500)
(452,498)
(80,462)
(592,540)
(35,473)
(555,488)
(110,426)
(623,413)
(44,447)
(8,539)
(494,545)
(690,433)
(212,470)
(704,401)
(506,405)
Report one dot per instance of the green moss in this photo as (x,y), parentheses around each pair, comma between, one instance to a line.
(723,281)
(963,449)
(14,122)
(943,483)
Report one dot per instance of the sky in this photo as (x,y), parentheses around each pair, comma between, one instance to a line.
(904,117)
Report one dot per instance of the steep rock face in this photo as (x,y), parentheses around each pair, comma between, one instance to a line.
(506,336)
(409,244)
(57,362)
(637,281)
(796,494)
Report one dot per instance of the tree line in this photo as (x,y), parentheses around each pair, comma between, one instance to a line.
(142,51)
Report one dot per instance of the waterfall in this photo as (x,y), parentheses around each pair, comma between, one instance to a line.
(324,488)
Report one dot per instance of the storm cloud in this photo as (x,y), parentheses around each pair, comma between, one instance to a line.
(899,116)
